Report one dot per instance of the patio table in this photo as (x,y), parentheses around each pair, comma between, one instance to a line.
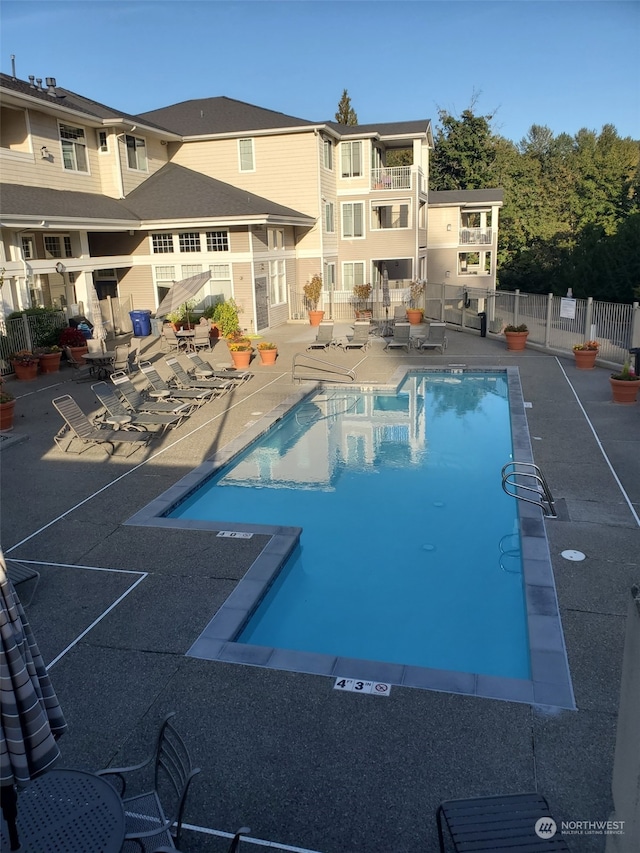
(69,811)
(100,361)
(186,336)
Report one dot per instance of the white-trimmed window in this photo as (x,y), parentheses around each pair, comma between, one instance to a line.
(164,276)
(162,243)
(28,247)
(189,241)
(353,219)
(351,158)
(277,282)
(220,281)
(327,154)
(275,238)
(329,218)
(56,246)
(74,148)
(187,270)
(385,214)
(102,138)
(352,274)
(245,155)
(217,241)
(468,263)
(136,153)
(329,278)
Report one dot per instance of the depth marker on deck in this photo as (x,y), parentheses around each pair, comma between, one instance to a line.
(352,685)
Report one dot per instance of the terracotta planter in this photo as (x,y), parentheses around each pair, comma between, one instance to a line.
(516,341)
(240,359)
(25,372)
(6,415)
(414,316)
(585,358)
(50,362)
(365,314)
(268,356)
(78,354)
(315,317)
(624,390)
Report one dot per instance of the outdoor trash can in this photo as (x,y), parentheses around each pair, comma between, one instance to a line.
(483,323)
(141,321)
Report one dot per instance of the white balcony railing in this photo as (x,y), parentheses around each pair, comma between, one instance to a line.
(475,236)
(395,178)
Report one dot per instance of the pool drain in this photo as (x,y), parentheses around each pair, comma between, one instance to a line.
(574,556)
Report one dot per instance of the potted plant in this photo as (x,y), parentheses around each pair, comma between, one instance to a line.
(25,365)
(48,358)
(268,352)
(76,341)
(361,296)
(516,337)
(225,318)
(624,385)
(240,354)
(7,406)
(312,293)
(414,314)
(585,355)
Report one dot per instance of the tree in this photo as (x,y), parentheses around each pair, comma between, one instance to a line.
(463,152)
(346,114)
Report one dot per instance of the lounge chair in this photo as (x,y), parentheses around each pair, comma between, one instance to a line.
(360,337)
(135,400)
(204,370)
(157,383)
(401,337)
(324,337)
(436,338)
(506,823)
(183,380)
(127,418)
(80,371)
(78,426)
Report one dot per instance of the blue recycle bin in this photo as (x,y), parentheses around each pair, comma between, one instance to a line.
(141,321)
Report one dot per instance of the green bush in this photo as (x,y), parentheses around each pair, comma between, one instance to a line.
(225,316)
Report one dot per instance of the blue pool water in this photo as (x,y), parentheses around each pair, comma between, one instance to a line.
(409,552)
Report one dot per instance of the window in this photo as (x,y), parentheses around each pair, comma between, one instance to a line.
(329,277)
(217,241)
(74,148)
(220,282)
(487,262)
(165,276)
(188,270)
(136,153)
(103,145)
(162,243)
(329,218)
(351,159)
(28,251)
(275,238)
(277,283)
(468,263)
(353,219)
(385,215)
(245,155)
(57,247)
(327,154)
(352,274)
(189,241)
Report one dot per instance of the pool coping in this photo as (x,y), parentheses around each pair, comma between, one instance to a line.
(550,683)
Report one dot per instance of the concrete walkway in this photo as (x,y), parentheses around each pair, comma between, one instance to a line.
(305,766)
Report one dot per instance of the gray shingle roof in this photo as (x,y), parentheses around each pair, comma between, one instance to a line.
(466,196)
(19,200)
(393,128)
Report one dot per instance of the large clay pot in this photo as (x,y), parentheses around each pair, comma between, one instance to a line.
(78,354)
(516,341)
(6,415)
(585,358)
(268,356)
(624,390)
(241,359)
(315,317)
(50,362)
(414,316)
(25,372)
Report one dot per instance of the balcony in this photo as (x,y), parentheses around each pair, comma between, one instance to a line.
(475,236)
(396,178)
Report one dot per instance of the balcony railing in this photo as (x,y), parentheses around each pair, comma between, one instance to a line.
(395,178)
(475,236)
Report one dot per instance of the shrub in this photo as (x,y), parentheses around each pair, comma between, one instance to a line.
(71,338)
(312,292)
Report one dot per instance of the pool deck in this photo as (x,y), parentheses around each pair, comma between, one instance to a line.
(306,766)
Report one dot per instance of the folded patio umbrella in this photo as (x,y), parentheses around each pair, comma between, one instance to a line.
(30,715)
(99,331)
(386,298)
(181,292)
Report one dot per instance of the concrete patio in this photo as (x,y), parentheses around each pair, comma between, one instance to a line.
(305,766)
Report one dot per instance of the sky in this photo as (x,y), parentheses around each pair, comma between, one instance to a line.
(566,64)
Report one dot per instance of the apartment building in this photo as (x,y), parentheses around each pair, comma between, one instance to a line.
(261,200)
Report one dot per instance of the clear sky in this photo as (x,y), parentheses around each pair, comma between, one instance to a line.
(566,64)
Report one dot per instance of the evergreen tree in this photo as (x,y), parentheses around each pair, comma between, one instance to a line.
(346,114)
(463,152)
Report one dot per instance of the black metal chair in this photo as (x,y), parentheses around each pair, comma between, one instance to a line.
(511,823)
(149,819)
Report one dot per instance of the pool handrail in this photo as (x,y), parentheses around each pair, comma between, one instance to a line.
(540,488)
(323,367)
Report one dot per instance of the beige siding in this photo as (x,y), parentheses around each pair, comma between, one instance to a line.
(439,219)
(137,282)
(13,130)
(156,159)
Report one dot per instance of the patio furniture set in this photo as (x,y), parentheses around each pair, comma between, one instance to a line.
(397,336)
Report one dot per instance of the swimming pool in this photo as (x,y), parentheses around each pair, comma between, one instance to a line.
(412,563)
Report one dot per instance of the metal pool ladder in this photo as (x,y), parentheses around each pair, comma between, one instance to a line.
(521,477)
(306,367)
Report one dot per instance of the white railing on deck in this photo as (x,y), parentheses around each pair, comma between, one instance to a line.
(394,178)
(475,236)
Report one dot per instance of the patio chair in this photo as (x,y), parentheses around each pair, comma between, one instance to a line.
(400,314)
(20,573)
(498,823)
(159,384)
(78,426)
(233,847)
(170,341)
(401,337)
(201,339)
(183,380)
(436,338)
(204,370)
(127,418)
(81,371)
(324,337)
(135,400)
(360,337)
(121,359)
(134,352)
(150,817)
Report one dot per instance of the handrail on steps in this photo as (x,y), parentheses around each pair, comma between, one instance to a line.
(302,361)
(513,478)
